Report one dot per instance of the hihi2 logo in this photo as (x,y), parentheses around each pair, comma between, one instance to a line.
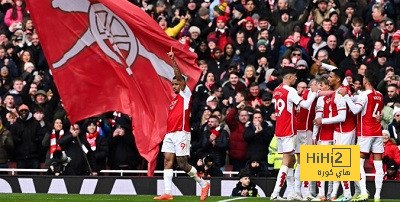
(330,162)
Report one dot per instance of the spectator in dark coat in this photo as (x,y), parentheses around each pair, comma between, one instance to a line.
(352,62)
(215,141)
(245,187)
(28,136)
(6,146)
(257,168)
(65,141)
(258,136)
(123,152)
(96,147)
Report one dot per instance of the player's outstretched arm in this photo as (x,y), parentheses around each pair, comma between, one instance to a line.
(177,71)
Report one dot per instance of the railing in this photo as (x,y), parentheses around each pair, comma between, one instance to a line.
(122,172)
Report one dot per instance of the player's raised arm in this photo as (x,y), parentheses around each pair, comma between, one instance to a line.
(177,71)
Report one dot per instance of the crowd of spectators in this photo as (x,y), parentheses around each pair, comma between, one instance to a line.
(241,45)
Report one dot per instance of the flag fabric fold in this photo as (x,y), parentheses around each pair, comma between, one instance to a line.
(111,56)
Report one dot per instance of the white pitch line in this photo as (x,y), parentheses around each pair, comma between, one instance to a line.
(233,199)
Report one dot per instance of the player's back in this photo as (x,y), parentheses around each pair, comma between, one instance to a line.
(284,110)
(372,103)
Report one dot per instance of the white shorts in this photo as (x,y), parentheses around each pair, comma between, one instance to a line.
(320,142)
(286,144)
(371,144)
(303,138)
(345,138)
(177,142)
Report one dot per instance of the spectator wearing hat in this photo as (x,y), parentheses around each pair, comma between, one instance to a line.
(258,135)
(317,43)
(379,64)
(247,26)
(203,51)
(349,12)
(218,8)
(392,171)
(267,108)
(339,28)
(395,48)
(194,36)
(391,150)
(377,32)
(262,50)
(217,65)
(321,11)
(202,21)
(284,24)
(245,188)
(198,125)
(27,137)
(215,141)
(123,153)
(6,145)
(352,62)
(302,71)
(221,33)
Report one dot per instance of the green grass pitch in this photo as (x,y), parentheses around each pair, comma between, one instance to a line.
(109,198)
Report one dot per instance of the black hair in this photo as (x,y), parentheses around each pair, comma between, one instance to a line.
(182,77)
(339,73)
(244,173)
(370,76)
(287,70)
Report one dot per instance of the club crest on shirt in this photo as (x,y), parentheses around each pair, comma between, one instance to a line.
(172,105)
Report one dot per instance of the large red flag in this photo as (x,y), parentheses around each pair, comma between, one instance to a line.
(109,55)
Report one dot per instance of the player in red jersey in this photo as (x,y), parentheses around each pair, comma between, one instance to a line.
(285,98)
(344,124)
(177,140)
(368,108)
(323,135)
(304,126)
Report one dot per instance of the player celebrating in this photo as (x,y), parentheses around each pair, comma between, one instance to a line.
(304,125)
(368,106)
(344,125)
(285,98)
(323,135)
(177,141)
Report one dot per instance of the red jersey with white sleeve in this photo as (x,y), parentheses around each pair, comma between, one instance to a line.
(325,131)
(371,102)
(285,98)
(305,117)
(338,103)
(179,111)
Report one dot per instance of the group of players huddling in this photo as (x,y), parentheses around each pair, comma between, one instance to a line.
(342,117)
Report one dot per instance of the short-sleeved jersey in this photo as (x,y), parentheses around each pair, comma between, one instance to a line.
(179,111)
(371,102)
(305,117)
(338,103)
(285,98)
(325,132)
